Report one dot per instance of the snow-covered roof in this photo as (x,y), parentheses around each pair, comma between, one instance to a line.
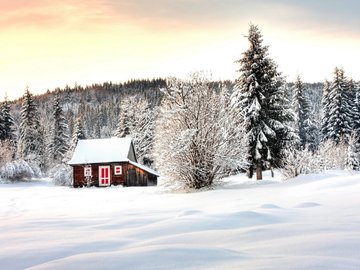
(144,168)
(101,151)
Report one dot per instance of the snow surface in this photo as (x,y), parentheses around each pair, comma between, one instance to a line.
(101,150)
(311,222)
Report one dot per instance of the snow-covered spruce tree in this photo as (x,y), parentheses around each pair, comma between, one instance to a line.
(140,125)
(2,127)
(7,133)
(78,134)
(339,118)
(7,124)
(260,95)
(355,107)
(325,105)
(31,132)
(125,123)
(143,132)
(195,141)
(59,141)
(353,157)
(304,127)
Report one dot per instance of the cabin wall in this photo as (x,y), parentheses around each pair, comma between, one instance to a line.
(139,177)
(118,179)
(78,176)
(79,179)
(131,176)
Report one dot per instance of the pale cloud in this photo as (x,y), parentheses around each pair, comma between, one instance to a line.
(326,15)
(47,14)
(329,16)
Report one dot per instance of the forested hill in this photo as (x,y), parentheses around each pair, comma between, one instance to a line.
(99,104)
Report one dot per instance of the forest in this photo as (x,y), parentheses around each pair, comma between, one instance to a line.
(194,131)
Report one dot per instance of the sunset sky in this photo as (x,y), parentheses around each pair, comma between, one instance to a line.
(48,43)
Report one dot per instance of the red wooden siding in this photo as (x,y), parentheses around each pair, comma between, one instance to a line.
(131,175)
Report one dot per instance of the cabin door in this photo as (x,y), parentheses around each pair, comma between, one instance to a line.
(104,176)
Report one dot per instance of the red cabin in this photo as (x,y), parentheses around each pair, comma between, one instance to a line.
(106,162)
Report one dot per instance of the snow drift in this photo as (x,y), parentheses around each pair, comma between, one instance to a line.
(311,222)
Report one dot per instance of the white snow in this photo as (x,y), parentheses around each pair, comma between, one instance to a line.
(311,222)
(101,150)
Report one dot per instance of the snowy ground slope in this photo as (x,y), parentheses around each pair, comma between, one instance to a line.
(312,222)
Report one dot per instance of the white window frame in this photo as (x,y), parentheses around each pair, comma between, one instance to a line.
(109,178)
(87,171)
(115,167)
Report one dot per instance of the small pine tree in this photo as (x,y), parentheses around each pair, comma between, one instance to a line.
(353,157)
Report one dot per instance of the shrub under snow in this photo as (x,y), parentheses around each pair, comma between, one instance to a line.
(62,175)
(329,156)
(19,170)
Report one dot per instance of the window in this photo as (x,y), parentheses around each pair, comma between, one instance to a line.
(87,171)
(117,170)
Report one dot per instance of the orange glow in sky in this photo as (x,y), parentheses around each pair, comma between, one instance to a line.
(46,44)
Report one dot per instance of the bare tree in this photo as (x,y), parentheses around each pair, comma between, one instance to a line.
(197,141)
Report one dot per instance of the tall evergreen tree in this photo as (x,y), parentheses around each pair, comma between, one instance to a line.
(340,115)
(355,107)
(60,137)
(7,128)
(8,132)
(144,132)
(302,110)
(31,135)
(124,124)
(78,134)
(2,126)
(325,104)
(260,95)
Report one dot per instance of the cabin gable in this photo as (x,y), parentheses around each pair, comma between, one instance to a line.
(131,154)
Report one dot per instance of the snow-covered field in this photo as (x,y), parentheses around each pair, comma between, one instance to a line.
(312,222)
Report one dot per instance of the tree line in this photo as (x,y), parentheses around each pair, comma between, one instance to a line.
(194,131)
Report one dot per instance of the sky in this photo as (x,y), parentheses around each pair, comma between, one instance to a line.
(46,44)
